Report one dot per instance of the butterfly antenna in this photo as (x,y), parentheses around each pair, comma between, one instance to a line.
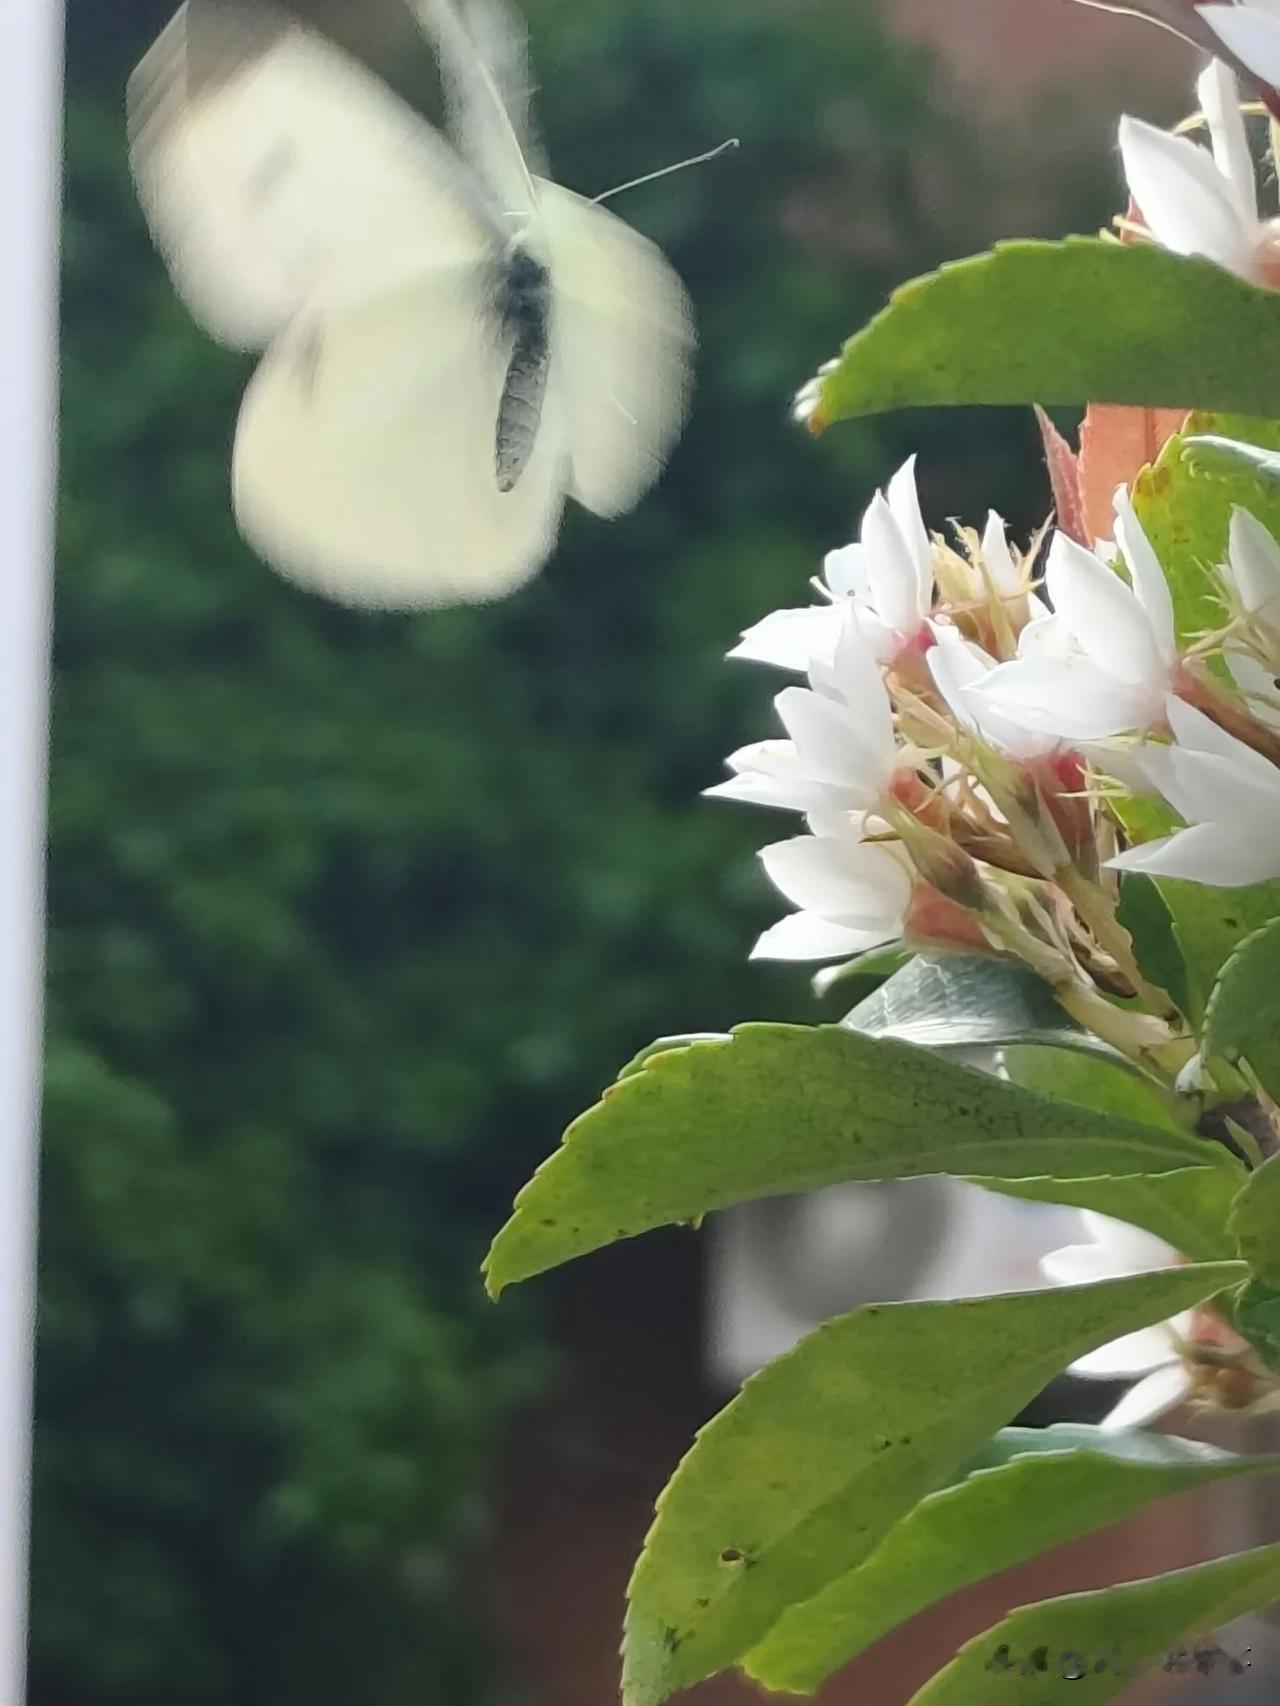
(680,165)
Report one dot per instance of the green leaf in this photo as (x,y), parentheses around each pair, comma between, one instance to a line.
(1256,1223)
(1184,503)
(781,1108)
(1243,1016)
(1215,455)
(875,963)
(965,1001)
(1143,913)
(1079,1479)
(1210,924)
(802,1475)
(1147,327)
(1256,1312)
(1188,1209)
(661,1045)
(1107,1086)
(1112,1633)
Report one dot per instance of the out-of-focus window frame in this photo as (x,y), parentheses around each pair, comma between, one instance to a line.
(30,132)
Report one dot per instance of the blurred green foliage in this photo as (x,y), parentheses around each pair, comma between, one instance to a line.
(349,912)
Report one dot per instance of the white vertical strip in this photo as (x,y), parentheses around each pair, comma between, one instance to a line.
(30,132)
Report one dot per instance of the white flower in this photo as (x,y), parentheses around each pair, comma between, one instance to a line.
(852,895)
(887,577)
(1197,202)
(1104,662)
(1152,1355)
(958,666)
(1252,569)
(841,751)
(1228,794)
(837,765)
(1252,576)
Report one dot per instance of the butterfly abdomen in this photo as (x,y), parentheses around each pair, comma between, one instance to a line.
(522,302)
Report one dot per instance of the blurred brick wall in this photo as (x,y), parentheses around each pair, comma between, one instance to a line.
(1011,54)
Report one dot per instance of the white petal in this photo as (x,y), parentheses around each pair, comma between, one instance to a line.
(1208,853)
(1120,762)
(1155,764)
(1219,96)
(1103,614)
(755,789)
(805,936)
(1250,33)
(791,639)
(1200,733)
(857,676)
(1069,698)
(769,773)
(1134,1353)
(827,741)
(1045,635)
(1135,1250)
(845,572)
(891,570)
(1254,565)
(904,501)
(1258,684)
(1150,588)
(1149,1399)
(957,665)
(885,642)
(1080,1264)
(998,557)
(857,883)
(1229,790)
(1184,198)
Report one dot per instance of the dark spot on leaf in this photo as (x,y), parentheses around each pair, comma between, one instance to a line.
(547,1223)
(731,1555)
(883,1442)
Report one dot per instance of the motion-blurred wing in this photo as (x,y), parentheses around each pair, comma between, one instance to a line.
(274,169)
(621,342)
(364,459)
(484,69)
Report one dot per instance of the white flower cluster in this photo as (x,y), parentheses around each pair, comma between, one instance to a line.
(967,731)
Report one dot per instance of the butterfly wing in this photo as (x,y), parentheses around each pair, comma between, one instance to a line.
(364,458)
(483,55)
(621,342)
(274,169)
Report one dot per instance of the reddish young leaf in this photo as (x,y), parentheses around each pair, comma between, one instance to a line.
(1064,479)
(1117,441)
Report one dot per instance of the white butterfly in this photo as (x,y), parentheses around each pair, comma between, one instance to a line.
(453,344)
